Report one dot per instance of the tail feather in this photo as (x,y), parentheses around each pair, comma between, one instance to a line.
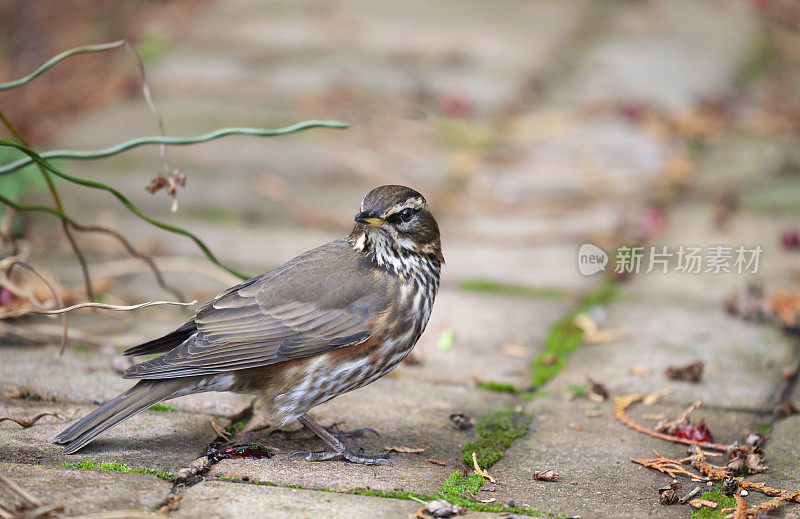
(130,403)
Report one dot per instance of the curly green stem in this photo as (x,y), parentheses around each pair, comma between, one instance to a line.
(127,203)
(172,141)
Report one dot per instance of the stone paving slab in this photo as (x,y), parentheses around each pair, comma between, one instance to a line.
(159,440)
(230,500)
(410,413)
(597,480)
(85,376)
(744,361)
(85,491)
(666,52)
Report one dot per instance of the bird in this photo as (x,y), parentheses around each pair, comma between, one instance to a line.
(329,321)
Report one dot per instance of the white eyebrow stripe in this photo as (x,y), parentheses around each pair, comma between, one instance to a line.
(412,203)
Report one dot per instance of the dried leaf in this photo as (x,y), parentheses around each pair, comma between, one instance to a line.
(546,475)
(199,465)
(462,420)
(479,470)
(669,494)
(697,503)
(639,371)
(691,372)
(222,433)
(437,462)
(655,397)
(576,426)
(596,392)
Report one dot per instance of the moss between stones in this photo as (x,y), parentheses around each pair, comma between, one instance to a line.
(162,407)
(492,287)
(113,466)
(564,337)
(723,501)
(496,430)
(499,387)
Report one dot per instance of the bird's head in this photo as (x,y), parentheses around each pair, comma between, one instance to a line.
(397,217)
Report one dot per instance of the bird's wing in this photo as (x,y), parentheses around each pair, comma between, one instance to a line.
(324,299)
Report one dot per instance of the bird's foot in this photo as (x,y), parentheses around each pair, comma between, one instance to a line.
(347,454)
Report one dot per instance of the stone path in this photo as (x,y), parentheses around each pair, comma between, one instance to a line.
(542,163)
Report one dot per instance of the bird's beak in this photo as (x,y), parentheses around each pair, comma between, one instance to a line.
(369,218)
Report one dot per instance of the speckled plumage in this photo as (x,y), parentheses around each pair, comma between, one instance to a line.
(326,322)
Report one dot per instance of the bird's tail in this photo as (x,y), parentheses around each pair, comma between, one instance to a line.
(132,402)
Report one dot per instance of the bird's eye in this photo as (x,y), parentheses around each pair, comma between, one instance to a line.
(406,215)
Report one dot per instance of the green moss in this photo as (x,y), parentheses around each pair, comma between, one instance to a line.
(577,389)
(764,429)
(113,466)
(81,348)
(162,407)
(500,387)
(496,430)
(564,337)
(723,501)
(458,486)
(493,287)
(460,133)
(233,427)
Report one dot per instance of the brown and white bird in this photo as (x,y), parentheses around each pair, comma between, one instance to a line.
(331,320)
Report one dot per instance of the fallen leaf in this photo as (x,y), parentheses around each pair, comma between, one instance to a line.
(655,397)
(222,433)
(697,503)
(639,371)
(462,420)
(437,462)
(545,475)
(691,372)
(576,426)
(479,470)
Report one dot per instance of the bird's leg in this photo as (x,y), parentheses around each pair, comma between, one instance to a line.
(333,429)
(337,448)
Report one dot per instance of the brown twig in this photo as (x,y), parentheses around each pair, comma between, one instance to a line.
(25,423)
(621,403)
(52,288)
(133,252)
(57,201)
(740,512)
(718,473)
(667,466)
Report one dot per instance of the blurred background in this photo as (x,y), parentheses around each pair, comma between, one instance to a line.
(531,126)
